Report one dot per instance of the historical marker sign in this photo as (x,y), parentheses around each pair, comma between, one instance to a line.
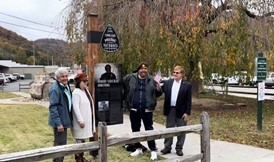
(261,68)
(110,41)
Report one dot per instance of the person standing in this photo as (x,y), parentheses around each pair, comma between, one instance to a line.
(141,92)
(60,108)
(177,107)
(83,113)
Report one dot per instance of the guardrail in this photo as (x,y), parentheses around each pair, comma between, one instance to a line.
(105,141)
(2,87)
(24,86)
(225,89)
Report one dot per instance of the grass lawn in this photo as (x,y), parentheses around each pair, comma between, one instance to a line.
(24,127)
(6,95)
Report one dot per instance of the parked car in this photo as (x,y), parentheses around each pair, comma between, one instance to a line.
(11,77)
(253,81)
(2,79)
(234,80)
(217,79)
(19,76)
(242,77)
(6,80)
(269,81)
(71,78)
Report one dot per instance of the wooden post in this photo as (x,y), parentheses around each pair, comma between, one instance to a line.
(103,142)
(205,137)
(93,51)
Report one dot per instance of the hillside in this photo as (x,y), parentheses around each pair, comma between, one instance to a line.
(17,48)
(52,46)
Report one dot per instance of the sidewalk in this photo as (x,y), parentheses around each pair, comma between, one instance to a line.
(221,151)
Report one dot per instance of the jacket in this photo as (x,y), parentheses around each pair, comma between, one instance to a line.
(183,103)
(58,107)
(83,112)
(130,81)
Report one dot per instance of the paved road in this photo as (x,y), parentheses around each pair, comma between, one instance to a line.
(14,86)
(250,92)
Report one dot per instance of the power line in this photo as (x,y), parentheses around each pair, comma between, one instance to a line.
(28,20)
(30,28)
(39,35)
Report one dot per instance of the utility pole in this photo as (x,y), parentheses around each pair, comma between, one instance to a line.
(33,53)
(93,49)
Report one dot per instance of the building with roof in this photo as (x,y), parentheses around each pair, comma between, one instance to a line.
(8,66)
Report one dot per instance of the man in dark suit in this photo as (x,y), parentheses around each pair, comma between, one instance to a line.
(177,107)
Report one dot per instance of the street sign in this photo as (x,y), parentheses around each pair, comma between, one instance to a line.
(261,68)
(109,40)
(261,91)
(261,75)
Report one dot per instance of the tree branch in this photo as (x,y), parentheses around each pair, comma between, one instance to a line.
(209,13)
(252,15)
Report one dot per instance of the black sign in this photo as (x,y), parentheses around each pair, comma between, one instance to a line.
(261,68)
(109,41)
(108,93)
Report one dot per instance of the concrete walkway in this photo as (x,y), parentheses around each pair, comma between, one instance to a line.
(221,151)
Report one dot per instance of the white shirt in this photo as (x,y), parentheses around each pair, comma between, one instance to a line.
(174,92)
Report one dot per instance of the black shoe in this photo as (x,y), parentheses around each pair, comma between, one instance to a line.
(165,151)
(94,154)
(179,153)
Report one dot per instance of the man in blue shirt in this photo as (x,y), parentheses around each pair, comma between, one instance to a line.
(60,109)
(141,92)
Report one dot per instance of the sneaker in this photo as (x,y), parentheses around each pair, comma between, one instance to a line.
(137,152)
(165,151)
(153,155)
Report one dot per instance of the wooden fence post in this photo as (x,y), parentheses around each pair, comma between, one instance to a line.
(103,141)
(205,137)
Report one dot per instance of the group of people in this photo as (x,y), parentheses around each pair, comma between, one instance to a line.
(76,110)
(141,91)
(73,110)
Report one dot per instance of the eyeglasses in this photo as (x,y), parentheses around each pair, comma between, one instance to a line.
(174,72)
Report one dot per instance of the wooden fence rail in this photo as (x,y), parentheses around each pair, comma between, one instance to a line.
(105,141)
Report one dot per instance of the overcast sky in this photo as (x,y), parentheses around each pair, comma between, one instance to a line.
(46,12)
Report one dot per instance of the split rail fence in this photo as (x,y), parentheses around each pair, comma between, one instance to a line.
(105,141)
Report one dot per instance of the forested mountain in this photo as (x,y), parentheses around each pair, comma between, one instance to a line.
(46,51)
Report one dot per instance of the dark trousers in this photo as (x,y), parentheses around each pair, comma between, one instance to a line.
(94,153)
(173,121)
(60,138)
(135,119)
